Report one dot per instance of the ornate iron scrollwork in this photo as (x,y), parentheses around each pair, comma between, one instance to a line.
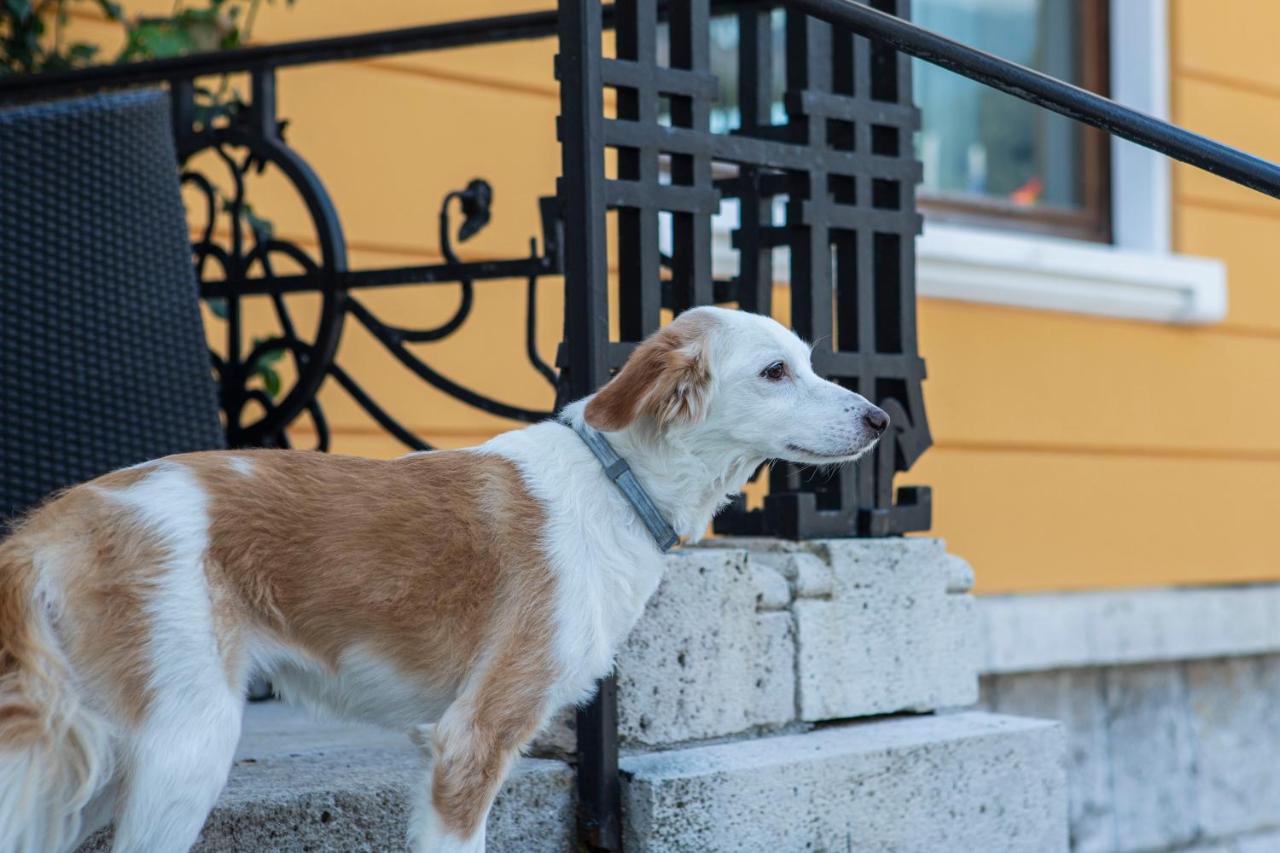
(241,260)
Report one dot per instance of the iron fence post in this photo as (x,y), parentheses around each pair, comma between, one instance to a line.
(583,356)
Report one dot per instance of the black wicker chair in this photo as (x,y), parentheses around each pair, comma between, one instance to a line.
(102,353)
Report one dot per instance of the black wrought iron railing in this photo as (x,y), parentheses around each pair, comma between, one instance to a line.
(841,160)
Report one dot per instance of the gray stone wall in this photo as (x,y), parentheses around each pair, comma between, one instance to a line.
(1163,756)
(775,636)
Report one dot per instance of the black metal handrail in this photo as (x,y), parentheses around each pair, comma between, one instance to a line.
(1017,80)
(453,34)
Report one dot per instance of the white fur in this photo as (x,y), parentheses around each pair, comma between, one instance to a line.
(177,765)
(365,687)
(47,792)
(606,566)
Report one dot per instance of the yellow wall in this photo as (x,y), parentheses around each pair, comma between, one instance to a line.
(1075,452)
(1070,451)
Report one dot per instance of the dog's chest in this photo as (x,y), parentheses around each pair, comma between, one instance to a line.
(598,612)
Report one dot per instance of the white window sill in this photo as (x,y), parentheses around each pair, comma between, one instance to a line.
(979,265)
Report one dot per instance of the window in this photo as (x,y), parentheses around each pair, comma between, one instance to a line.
(1002,178)
(990,158)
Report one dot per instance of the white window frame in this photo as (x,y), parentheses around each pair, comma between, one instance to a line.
(1137,277)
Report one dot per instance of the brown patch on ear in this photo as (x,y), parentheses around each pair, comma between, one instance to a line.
(665,379)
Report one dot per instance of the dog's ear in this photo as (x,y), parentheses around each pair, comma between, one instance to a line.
(665,380)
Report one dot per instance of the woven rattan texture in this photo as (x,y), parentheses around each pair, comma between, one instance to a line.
(102,351)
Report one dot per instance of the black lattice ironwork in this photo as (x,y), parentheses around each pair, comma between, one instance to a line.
(838,170)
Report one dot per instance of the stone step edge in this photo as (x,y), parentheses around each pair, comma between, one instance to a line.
(919,784)
(357,799)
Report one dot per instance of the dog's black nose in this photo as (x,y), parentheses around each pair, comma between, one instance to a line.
(877,419)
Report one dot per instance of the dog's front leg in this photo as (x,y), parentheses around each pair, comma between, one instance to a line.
(468,756)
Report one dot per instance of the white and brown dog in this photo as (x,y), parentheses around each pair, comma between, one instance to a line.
(479,589)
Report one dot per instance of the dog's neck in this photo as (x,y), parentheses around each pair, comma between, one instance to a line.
(689,474)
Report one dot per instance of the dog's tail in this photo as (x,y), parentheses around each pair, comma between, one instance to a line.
(54,752)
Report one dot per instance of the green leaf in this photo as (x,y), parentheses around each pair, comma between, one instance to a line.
(111,10)
(157,39)
(262,228)
(205,114)
(262,368)
(218,307)
(82,52)
(271,380)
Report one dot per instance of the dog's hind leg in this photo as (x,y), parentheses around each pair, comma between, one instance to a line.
(174,769)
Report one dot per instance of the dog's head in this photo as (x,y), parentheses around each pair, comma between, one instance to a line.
(737,378)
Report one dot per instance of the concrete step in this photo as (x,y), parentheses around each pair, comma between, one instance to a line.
(303,785)
(963,783)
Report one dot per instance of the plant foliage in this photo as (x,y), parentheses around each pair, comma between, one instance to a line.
(33,32)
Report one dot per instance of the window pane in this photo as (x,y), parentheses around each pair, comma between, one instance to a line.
(977,142)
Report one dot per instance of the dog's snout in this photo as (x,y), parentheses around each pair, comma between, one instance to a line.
(876,418)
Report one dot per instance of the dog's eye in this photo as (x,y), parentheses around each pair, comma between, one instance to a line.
(775,372)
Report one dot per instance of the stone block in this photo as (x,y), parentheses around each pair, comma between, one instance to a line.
(752,635)
(963,782)
(1075,698)
(896,631)
(1233,715)
(1153,761)
(713,654)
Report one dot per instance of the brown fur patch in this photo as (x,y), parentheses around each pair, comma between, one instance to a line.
(432,561)
(109,561)
(664,379)
(505,709)
(426,560)
(21,650)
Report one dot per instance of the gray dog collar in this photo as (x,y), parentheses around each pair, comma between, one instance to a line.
(617,469)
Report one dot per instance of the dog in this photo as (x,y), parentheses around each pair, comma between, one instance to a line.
(478,590)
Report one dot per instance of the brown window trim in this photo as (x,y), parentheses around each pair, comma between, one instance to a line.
(1092,221)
